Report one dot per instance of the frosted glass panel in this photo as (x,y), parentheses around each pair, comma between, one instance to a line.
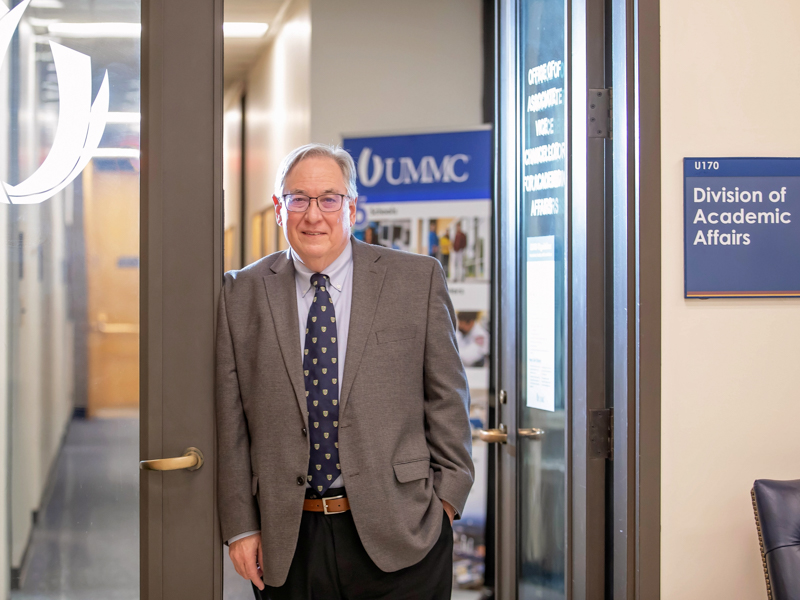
(69,298)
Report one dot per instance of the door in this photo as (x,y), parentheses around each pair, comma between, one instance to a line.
(111,248)
(552,413)
(111,228)
(181,275)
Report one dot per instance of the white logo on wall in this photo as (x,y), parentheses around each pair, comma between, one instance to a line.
(80,122)
(427,171)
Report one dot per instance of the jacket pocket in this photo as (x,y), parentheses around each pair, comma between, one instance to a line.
(254,484)
(396,334)
(410,471)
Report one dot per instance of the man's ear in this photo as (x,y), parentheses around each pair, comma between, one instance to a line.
(353,211)
(278,215)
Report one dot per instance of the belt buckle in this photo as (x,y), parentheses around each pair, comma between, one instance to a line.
(325,504)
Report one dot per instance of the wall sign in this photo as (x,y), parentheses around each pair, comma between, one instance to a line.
(741,227)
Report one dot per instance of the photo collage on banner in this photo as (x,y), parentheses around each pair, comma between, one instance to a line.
(431,194)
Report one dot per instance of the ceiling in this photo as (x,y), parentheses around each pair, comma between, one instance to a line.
(241,53)
(119,58)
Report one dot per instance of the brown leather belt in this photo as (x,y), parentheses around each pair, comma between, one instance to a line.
(329,506)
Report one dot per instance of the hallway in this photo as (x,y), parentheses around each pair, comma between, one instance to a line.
(86,543)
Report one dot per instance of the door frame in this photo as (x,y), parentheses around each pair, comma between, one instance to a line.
(636,260)
(613,350)
(504,291)
(181,250)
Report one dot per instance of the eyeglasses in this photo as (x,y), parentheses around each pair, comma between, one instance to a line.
(326,202)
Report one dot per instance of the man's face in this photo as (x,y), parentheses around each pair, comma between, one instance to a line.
(317,237)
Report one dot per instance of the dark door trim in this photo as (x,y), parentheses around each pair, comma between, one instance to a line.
(616,320)
(588,308)
(636,224)
(648,301)
(505,301)
(181,267)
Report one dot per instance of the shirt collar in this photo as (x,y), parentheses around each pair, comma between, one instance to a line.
(336,271)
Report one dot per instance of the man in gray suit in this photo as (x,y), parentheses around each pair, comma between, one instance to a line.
(342,406)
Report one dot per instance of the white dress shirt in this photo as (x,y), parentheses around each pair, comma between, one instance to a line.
(340,274)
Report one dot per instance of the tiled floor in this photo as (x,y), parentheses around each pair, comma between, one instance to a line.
(86,546)
(234,587)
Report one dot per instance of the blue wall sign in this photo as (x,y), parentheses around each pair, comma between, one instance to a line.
(741,227)
(431,166)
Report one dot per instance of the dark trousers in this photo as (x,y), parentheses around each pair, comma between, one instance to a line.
(330,563)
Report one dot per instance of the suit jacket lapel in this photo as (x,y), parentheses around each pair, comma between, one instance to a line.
(280,286)
(368,277)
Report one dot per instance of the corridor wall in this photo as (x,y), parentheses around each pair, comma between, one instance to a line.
(382,66)
(232,175)
(5,268)
(729,84)
(277,113)
(353,66)
(36,331)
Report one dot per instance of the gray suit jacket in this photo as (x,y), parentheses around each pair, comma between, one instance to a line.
(404,436)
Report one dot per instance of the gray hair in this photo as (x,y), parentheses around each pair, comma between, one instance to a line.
(338,154)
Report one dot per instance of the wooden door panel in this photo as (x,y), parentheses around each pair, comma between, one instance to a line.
(111,223)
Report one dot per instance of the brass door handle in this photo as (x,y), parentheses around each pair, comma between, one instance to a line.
(191,460)
(500,436)
(533,433)
(104,327)
(493,436)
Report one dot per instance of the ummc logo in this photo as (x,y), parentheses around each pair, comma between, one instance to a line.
(406,172)
(80,122)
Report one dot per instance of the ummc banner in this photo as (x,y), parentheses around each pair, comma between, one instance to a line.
(430,166)
(430,194)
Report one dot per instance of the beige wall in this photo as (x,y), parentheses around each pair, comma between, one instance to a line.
(383,65)
(231,171)
(277,109)
(370,66)
(5,337)
(729,84)
(36,342)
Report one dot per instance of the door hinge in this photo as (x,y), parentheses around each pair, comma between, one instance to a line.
(600,113)
(601,433)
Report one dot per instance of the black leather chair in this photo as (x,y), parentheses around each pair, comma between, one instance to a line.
(777,508)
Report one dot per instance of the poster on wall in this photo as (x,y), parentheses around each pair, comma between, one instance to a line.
(741,227)
(431,194)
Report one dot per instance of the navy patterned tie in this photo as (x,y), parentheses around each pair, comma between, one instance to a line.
(322,387)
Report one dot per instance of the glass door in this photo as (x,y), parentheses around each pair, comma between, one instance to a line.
(542,254)
(550,343)
(110,266)
(69,298)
